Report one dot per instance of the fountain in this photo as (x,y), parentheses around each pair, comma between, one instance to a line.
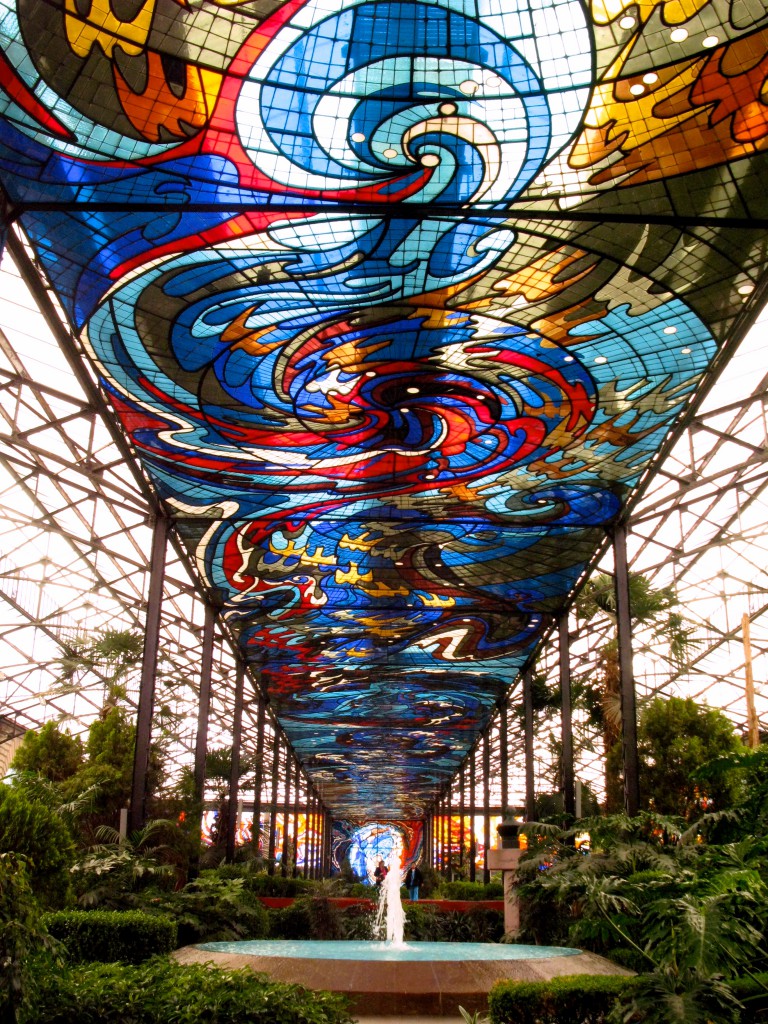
(440,976)
(390,916)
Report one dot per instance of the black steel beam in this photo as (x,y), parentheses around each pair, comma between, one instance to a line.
(137,811)
(626,674)
(234,774)
(566,718)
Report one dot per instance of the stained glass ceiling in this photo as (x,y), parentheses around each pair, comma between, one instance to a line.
(397,303)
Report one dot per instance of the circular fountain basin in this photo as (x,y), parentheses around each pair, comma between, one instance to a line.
(400,981)
(316,949)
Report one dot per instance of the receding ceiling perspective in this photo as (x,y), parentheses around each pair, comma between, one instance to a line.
(399,304)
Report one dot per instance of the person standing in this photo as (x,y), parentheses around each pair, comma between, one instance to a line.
(380,873)
(413,881)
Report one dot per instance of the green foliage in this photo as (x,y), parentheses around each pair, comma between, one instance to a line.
(34,831)
(752,993)
(472,891)
(660,898)
(161,991)
(473,1018)
(212,909)
(675,738)
(310,916)
(587,999)
(428,924)
(263,884)
(109,654)
(291,922)
(49,752)
(109,935)
(22,934)
(355,922)
(112,874)
(670,996)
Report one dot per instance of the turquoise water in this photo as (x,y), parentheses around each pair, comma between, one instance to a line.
(351,950)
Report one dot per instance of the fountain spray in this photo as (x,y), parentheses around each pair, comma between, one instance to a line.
(390,916)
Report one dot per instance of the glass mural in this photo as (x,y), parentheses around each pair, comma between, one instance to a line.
(361,847)
(397,303)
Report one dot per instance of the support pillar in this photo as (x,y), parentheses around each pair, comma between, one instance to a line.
(201,739)
(626,675)
(462,816)
(234,775)
(138,808)
(486,804)
(530,778)
(504,760)
(286,812)
(569,785)
(204,703)
(295,816)
(328,837)
(472,842)
(259,778)
(273,804)
(309,854)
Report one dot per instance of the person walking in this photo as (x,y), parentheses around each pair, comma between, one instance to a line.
(413,881)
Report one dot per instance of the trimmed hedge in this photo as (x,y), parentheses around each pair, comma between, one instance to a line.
(471,891)
(111,935)
(587,999)
(160,991)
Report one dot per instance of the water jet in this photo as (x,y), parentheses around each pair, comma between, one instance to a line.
(430,978)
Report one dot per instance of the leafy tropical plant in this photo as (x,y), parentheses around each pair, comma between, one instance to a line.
(111,874)
(653,895)
(212,909)
(473,1018)
(109,654)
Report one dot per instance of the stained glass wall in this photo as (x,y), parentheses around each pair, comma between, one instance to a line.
(360,846)
(397,303)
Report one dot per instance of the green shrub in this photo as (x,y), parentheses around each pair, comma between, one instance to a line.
(160,991)
(22,934)
(356,922)
(111,935)
(262,884)
(428,924)
(212,909)
(472,891)
(291,922)
(54,754)
(34,831)
(587,999)
(420,923)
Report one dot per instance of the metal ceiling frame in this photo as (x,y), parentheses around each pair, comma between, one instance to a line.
(60,490)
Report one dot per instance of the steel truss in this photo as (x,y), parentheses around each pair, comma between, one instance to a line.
(75,536)
(75,540)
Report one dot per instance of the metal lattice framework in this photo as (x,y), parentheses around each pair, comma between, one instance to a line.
(395,310)
(77,537)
